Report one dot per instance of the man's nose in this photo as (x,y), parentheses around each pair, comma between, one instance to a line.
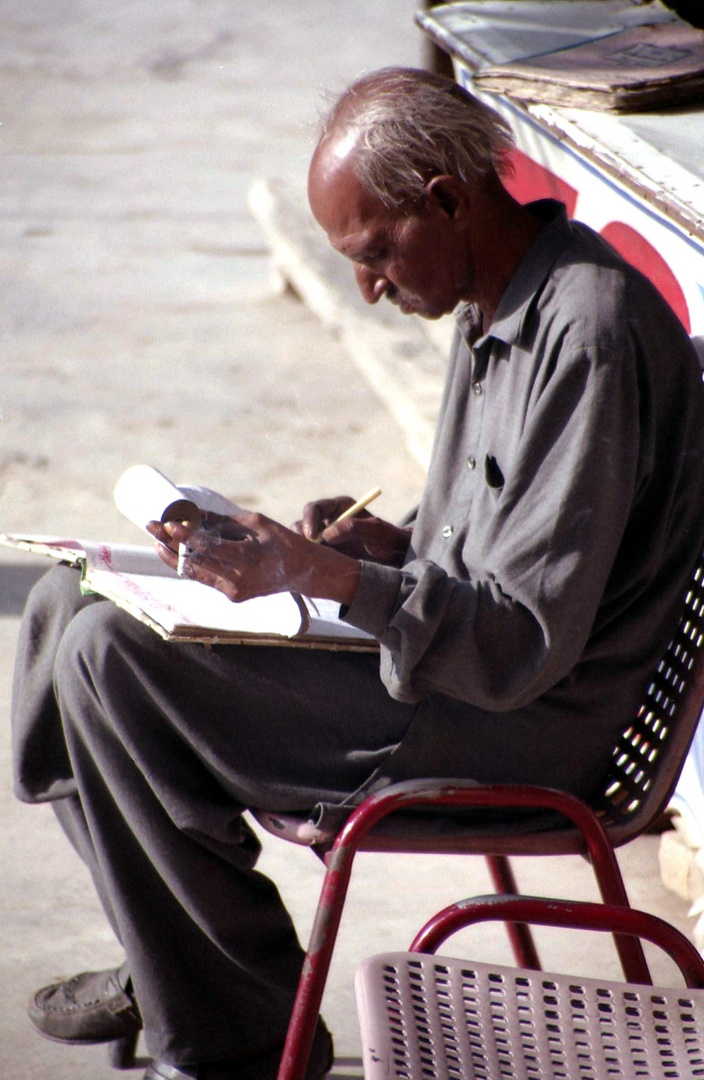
(371,284)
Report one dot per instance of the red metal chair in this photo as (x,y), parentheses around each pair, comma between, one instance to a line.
(633,794)
(428,1017)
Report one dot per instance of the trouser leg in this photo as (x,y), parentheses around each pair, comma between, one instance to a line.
(69,813)
(167,744)
(41,767)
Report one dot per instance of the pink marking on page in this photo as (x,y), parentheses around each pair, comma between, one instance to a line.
(155,603)
(105,556)
(72,545)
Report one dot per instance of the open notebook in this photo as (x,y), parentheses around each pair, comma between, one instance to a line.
(179,609)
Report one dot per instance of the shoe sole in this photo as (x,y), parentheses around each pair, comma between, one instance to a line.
(82,1042)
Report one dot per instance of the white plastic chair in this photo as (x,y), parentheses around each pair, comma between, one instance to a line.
(428,1017)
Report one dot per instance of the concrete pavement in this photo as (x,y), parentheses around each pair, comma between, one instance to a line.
(140,324)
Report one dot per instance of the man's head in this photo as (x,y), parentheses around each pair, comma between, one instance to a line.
(405,162)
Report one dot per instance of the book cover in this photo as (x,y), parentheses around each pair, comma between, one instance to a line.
(643,67)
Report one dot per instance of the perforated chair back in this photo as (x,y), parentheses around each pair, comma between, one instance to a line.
(635,790)
(651,750)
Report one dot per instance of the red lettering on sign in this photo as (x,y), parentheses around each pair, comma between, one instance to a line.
(533,181)
(643,255)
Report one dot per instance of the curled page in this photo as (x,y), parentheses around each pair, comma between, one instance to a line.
(210,500)
(144,494)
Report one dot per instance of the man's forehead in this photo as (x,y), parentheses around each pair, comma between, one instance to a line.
(333,164)
(341,144)
(338,198)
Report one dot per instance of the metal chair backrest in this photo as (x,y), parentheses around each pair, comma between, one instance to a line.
(644,768)
(651,750)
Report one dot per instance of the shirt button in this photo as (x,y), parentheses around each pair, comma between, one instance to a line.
(447,531)
(471,462)
(477,389)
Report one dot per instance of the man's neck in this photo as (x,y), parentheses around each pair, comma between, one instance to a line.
(509,232)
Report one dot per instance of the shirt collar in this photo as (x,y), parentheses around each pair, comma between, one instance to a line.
(510,314)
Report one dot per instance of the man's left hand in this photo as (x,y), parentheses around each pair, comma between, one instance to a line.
(251,555)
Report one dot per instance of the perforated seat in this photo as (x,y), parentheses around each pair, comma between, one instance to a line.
(427,1017)
(438,1018)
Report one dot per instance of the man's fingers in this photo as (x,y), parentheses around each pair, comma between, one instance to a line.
(166,554)
(320,514)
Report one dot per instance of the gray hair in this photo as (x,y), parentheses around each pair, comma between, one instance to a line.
(409,125)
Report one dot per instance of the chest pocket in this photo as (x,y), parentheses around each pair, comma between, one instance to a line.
(493,474)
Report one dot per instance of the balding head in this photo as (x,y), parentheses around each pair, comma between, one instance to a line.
(405,181)
(404,126)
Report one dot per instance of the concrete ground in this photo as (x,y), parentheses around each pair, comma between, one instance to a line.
(140,324)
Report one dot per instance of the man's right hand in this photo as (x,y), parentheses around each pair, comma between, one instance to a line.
(361,537)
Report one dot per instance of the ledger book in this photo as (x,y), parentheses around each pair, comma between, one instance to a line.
(179,609)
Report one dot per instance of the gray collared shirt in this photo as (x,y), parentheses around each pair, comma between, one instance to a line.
(563,509)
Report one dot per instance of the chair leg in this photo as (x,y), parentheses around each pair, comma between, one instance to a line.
(309,995)
(613,891)
(339,858)
(122,1053)
(519,934)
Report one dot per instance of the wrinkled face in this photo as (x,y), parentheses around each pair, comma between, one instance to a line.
(418,261)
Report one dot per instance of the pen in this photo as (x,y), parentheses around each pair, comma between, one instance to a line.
(351,511)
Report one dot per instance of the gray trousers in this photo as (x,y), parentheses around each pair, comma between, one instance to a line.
(149,752)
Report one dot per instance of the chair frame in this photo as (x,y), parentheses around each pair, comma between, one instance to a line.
(567,914)
(643,772)
(587,836)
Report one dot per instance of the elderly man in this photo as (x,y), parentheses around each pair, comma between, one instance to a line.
(518,615)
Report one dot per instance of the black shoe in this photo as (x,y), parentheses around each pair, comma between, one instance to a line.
(93,1007)
(262,1067)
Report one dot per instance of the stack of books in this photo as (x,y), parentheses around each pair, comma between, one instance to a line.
(644,67)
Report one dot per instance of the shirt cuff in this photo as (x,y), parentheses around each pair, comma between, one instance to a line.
(375,600)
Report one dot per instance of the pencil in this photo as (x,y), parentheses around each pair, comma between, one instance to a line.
(351,511)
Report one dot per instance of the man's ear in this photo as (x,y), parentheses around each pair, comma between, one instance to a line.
(449,194)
